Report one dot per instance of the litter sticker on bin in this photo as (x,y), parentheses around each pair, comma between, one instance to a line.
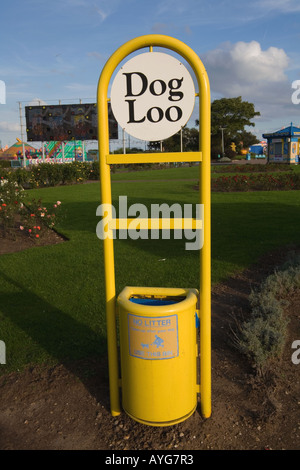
(153,337)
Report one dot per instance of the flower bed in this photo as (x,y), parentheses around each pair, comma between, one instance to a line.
(256,182)
(250,168)
(32,219)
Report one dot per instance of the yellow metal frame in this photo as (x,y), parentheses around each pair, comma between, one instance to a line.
(155,157)
(203,156)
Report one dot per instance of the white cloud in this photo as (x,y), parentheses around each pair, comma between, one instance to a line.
(103,15)
(9,126)
(105,8)
(160,28)
(95,55)
(37,102)
(80,88)
(243,64)
(174,6)
(259,76)
(283,6)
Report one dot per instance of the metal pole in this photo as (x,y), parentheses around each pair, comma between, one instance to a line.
(222,129)
(124,146)
(22,134)
(181,144)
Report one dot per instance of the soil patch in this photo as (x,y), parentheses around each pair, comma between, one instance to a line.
(21,241)
(66,407)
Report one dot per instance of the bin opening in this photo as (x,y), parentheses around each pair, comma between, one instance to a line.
(156,301)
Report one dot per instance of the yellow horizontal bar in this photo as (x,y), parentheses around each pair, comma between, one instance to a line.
(162,224)
(165,157)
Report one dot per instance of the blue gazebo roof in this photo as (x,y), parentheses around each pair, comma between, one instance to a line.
(286,132)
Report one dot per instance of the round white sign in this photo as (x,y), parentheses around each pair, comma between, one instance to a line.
(152,96)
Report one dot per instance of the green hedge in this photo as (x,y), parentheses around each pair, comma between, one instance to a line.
(5,164)
(48,174)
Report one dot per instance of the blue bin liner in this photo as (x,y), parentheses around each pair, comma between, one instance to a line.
(154,302)
(157,302)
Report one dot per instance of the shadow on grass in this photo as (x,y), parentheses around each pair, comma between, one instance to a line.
(68,341)
(244,226)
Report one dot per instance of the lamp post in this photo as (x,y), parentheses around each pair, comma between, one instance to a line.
(222,130)
(22,134)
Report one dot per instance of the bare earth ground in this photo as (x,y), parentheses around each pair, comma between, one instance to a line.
(66,407)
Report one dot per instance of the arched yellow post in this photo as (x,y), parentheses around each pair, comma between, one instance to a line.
(148,41)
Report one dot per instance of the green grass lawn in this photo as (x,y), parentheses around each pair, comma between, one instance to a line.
(163,174)
(177,173)
(52,298)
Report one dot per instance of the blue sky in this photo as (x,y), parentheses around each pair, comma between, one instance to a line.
(55,50)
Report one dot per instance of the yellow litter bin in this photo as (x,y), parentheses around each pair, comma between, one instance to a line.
(158,350)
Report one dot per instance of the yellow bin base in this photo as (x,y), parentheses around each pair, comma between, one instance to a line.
(158,348)
(158,424)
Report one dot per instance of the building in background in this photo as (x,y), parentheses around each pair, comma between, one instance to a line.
(283,145)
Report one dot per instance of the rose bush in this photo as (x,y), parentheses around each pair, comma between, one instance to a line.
(250,168)
(31,218)
(256,182)
(11,204)
(49,174)
(37,218)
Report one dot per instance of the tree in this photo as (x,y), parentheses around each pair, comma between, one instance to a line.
(190,141)
(232,115)
(245,139)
